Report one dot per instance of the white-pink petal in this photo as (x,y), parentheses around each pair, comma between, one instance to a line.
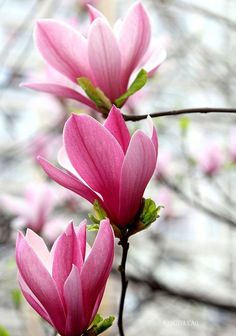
(60,91)
(134,39)
(39,247)
(105,59)
(63,48)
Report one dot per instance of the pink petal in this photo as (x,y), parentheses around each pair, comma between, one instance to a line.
(117,127)
(39,282)
(95,154)
(39,247)
(134,39)
(97,267)
(15,205)
(153,58)
(32,300)
(105,59)
(41,200)
(68,181)
(60,91)
(76,323)
(94,13)
(64,48)
(81,237)
(97,304)
(64,161)
(138,168)
(66,252)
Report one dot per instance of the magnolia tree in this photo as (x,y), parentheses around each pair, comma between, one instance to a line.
(101,162)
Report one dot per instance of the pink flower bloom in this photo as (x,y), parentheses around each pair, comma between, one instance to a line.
(108,58)
(65,286)
(34,208)
(84,3)
(211,159)
(109,165)
(44,144)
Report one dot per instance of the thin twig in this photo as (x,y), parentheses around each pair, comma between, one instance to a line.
(124,282)
(196,110)
(198,205)
(157,286)
(183,5)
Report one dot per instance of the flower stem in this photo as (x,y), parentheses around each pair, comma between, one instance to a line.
(124,282)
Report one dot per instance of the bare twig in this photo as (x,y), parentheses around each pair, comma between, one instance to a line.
(157,286)
(196,110)
(209,211)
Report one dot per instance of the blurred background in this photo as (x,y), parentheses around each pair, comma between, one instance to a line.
(182,270)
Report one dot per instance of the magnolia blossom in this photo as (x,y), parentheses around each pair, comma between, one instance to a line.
(107,58)
(44,144)
(34,208)
(211,159)
(65,286)
(84,3)
(108,164)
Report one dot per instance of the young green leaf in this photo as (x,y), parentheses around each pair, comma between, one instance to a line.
(3,331)
(95,94)
(137,84)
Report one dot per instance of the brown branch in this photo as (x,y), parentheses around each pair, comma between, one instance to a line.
(203,110)
(157,286)
(183,5)
(198,205)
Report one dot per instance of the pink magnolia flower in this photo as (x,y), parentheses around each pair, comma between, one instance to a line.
(211,159)
(44,144)
(84,3)
(107,58)
(108,164)
(34,208)
(65,286)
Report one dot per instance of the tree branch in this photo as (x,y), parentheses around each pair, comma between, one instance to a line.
(183,5)
(156,286)
(203,110)
(198,205)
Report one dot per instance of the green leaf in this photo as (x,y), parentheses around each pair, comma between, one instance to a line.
(98,318)
(99,325)
(150,212)
(16,297)
(95,94)
(3,331)
(184,123)
(92,227)
(104,324)
(137,84)
(98,214)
